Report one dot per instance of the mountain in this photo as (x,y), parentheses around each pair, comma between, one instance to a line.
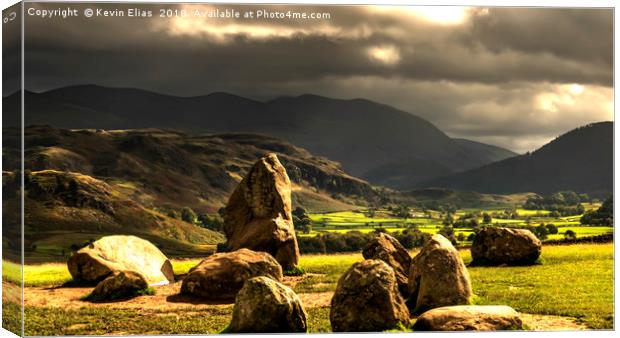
(375,142)
(486,152)
(84,183)
(580,160)
(162,168)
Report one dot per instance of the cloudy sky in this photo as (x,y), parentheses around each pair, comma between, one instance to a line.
(513,77)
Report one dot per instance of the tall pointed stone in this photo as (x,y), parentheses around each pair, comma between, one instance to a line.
(258,214)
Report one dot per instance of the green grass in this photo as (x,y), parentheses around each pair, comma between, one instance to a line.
(12,272)
(573,280)
(36,275)
(296,271)
(346,221)
(581,231)
(526,212)
(181,266)
(54,274)
(12,317)
(104,321)
(324,271)
(318,320)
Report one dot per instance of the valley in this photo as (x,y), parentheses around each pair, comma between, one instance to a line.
(170,186)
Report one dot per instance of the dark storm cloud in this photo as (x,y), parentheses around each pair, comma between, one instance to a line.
(494,47)
(474,78)
(576,34)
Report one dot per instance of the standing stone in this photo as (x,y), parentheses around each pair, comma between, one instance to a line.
(367,299)
(119,285)
(469,318)
(389,250)
(497,246)
(221,276)
(266,306)
(438,277)
(258,214)
(99,259)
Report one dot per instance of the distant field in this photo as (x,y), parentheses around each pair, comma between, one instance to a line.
(573,280)
(431,222)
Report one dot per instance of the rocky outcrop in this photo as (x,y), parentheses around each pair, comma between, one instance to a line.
(101,258)
(266,306)
(330,177)
(389,250)
(221,276)
(119,285)
(497,246)
(367,299)
(468,318)
(438,277)
(258,214)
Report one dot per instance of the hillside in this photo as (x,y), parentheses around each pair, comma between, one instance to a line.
(486,152)
(372,141)
(164,168)
(65,210)
(467,199)
(81,184)
(580,160)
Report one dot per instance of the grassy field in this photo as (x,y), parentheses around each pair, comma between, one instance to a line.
(573,280)
(586,290)
(432,221)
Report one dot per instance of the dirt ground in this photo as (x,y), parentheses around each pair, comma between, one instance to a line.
(167,298)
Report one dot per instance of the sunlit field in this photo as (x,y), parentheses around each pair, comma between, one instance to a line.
(585,293)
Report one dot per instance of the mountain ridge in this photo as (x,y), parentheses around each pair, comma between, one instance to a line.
(366,137)
(584,154)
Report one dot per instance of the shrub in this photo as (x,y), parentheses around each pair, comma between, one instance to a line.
(211,222)
(412,238)
(355,241)
(188,215)
(296,271)
(552,229)
(541,232)
(570,234)
(602,216)
(448,232)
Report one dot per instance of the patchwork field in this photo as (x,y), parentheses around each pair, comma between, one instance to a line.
(583,298)
(432,221)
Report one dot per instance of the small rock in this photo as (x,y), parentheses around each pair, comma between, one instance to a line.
(266,306)
(497,246)
(221,276)
(119,285)
(389,250)
(99,259)
(468,318)
(367,299)
(438,277)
